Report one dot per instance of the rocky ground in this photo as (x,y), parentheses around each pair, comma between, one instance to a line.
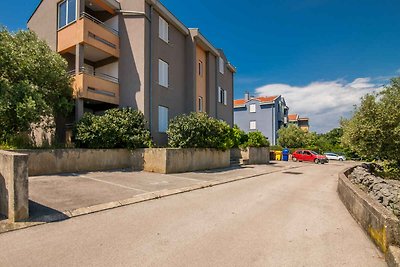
(387,192)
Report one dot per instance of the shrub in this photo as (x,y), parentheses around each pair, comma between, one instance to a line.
(198,130)
(256,139)
(276,148)
(239,137)
(117,128)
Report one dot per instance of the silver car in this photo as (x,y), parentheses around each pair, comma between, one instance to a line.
(333,156)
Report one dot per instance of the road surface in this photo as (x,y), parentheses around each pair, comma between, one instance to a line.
(290,218)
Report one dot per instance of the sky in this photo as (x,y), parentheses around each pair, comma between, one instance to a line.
(320,55)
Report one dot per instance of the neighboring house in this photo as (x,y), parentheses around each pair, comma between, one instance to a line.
(136,53)
(265,114)
(303,123)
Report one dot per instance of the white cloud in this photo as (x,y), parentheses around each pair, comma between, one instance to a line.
(324,102)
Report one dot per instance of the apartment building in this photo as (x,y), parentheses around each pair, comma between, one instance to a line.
(265,114)
(303,123)
(136,53)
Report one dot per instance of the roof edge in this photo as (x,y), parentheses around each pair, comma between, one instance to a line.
(168,14)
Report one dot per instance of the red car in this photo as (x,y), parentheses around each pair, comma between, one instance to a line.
(308,155)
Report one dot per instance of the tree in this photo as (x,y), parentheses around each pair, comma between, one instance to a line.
(293,137)
(34,83)
(374,130)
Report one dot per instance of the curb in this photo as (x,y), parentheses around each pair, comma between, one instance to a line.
(8,227)
(379,223)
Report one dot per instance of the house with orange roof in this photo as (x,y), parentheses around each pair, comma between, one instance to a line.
(303,123)
(266,114)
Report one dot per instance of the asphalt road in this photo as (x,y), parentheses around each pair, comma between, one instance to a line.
(291,218)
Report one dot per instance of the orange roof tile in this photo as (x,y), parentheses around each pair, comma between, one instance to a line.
(293,117)
(263,99)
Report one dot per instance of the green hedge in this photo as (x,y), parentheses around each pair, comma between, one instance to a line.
(198,130)
(117,128)
(256,139)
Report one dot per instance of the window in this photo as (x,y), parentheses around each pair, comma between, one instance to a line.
(200,104)
(162,119)
(163,69)
(163,30)
(222,96)
(225,98)
(253,125)
(253,108)
(221,65)
(66,13)
(200,68)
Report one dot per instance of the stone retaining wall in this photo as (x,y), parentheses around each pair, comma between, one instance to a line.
(14,192)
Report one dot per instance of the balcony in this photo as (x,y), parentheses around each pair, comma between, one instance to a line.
(96,86)
(91,31)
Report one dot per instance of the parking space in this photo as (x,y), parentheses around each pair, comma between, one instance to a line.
(66,192)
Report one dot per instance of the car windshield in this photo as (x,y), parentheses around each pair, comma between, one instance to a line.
(313,152)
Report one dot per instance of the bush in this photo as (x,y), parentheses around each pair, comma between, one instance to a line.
(239,137)
(256,139)
(276,148)
(117,128)
(198,130)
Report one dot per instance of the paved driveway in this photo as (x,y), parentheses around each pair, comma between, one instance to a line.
(288,218)
(59,193)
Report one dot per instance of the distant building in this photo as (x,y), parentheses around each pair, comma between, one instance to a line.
(303,123)
(265,114)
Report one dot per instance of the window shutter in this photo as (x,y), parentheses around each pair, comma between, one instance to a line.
(162,119)
(225,97)
(163,29)
(163,69)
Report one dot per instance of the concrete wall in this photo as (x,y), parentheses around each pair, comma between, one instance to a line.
(168,160)
(252,155)
(44,22)
(379,223)
(14,192)
(44,162)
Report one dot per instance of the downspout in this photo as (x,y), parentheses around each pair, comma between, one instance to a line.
(273,125)
(216,89)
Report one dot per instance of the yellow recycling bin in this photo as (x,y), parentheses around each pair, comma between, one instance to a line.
(278,155)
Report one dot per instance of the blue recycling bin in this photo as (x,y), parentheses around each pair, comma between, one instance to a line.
(285,154)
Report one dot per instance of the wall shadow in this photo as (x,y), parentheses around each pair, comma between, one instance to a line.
(41,213)
(3,197)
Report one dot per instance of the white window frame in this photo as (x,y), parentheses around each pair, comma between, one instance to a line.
(66,13)
(163,119)
(220,95)
(253,125)
(163,73)
(253,108)
(200,104)
(163,29)
(221,65)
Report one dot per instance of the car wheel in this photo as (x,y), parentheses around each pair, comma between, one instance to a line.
(316,161)
(294,159)
(340,159)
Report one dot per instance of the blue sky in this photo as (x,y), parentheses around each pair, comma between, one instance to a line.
(319,53)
